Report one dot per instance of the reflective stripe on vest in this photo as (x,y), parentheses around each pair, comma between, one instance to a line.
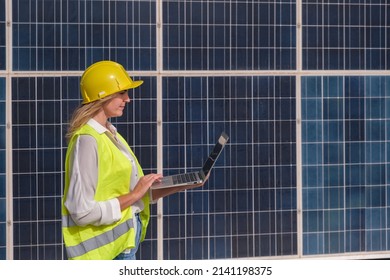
(97,241)
(67,221)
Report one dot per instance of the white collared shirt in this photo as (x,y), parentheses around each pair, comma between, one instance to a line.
(80,201)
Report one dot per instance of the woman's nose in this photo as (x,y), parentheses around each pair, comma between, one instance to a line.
(126,97)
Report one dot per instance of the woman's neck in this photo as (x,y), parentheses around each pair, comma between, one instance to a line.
(101,118)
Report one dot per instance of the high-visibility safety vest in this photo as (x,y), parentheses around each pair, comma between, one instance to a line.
(103,242)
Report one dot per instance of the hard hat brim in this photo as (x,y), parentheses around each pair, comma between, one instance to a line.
(136,84)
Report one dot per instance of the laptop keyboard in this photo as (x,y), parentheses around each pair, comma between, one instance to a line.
(184,178)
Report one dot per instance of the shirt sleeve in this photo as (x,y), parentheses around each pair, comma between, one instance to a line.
(80,202)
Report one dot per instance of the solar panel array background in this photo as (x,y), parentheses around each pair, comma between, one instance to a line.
(210,66)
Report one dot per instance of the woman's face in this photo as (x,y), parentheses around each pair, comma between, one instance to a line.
(115,106)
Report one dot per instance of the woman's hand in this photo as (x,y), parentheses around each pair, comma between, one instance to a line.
(145,182)
(143,185)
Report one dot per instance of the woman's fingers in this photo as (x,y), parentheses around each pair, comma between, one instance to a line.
(148,180)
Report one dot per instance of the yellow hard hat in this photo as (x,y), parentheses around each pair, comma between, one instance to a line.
(104,78)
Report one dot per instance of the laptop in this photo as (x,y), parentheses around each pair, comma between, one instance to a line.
(198,177)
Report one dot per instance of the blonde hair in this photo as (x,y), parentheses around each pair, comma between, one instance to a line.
(83,113)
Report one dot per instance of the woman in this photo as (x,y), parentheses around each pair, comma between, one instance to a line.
(106,199)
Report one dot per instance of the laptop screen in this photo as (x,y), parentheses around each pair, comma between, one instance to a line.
(213,156)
